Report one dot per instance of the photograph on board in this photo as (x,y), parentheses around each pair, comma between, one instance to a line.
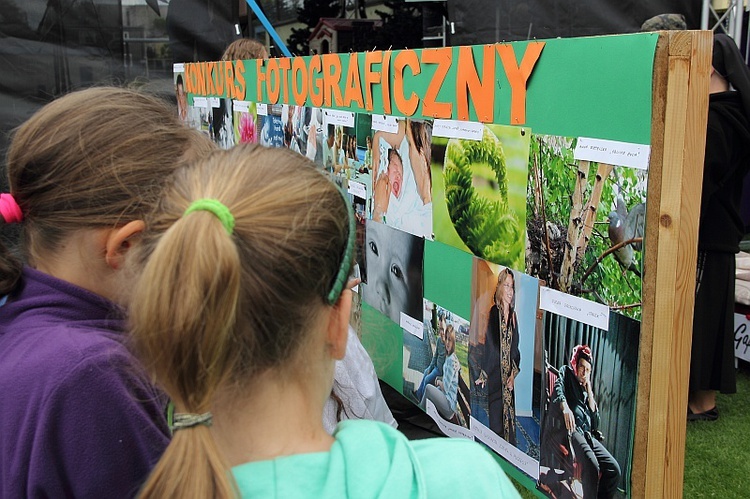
(394,261)
(358,207)
(271,128)
(313,133)
(356,170)
(479,188)
(402,186)
(181,93)
(245,122)
(588,416)
(436,369)
(200,115)
(344,148)
(301,126)
(502,363)
(585,225)
(222,129)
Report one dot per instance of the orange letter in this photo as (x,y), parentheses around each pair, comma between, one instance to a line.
(239,79)
(371,77)
(285,64)
(353,85)
(386,79)
(482,92)
(218,77)
(300,95)
(315,67)
(210,84)
(200,71)
(228,79)
(273,74)
(518,76)
(260,78)
(189,79)
(442,57)
(332,80)
(405,58)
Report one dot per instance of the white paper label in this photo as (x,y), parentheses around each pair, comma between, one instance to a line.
(524,462)
(178,67)
(241,106)
(456,129)
(384,123)
(573,307)
(200,102)
(336,117)
(450,429)
(613,153)
(214,101)
(412,325)
(261,109)
(357,189)
(741,337)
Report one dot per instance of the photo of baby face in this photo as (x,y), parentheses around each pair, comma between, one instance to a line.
(395,171)
(394,261)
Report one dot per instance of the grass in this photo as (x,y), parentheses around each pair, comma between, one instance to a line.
(717,454)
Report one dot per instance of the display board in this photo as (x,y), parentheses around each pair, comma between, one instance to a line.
(514,202)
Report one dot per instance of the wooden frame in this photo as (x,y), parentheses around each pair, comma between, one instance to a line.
(680,104)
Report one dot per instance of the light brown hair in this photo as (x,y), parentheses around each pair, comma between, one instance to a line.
(212,311)
(450,339)
(245,48)
(93,158)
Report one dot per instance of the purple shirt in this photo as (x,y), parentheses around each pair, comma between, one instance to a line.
(77,417)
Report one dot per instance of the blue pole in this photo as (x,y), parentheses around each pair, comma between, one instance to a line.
(266,24)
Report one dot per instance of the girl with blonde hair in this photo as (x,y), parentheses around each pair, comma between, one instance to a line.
(77,417)
(240,314)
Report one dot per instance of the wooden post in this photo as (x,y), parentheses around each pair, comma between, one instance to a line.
(680,103)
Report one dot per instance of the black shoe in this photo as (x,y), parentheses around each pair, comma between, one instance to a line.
(709,415)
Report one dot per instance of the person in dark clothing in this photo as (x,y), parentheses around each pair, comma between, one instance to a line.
(575,395)
(726,163)
(501,361)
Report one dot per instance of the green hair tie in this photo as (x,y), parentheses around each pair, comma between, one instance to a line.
(217,208)
(346,260)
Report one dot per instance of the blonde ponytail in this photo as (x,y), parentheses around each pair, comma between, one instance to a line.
(189,316)
(192,466)
(216,307)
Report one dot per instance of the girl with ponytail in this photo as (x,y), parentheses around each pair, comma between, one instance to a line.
(240,312)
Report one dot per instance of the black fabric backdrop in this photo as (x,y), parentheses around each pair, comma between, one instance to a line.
(509,20)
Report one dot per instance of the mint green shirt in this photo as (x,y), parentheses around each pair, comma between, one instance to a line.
(371,459)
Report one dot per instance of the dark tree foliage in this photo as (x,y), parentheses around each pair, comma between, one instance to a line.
(309,14)
(402,26)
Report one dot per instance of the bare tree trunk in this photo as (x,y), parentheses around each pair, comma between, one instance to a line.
(582,221)
(575,223)
(590,213)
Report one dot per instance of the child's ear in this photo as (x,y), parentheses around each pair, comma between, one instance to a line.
(120,241)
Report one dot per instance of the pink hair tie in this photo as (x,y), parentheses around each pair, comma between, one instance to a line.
(9,209)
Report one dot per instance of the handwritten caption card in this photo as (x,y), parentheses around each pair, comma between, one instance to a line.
(613,153)
(456,129)
(573,307)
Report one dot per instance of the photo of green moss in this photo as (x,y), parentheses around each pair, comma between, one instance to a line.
(479,193)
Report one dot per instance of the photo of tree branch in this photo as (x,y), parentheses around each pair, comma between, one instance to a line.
(585,224)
